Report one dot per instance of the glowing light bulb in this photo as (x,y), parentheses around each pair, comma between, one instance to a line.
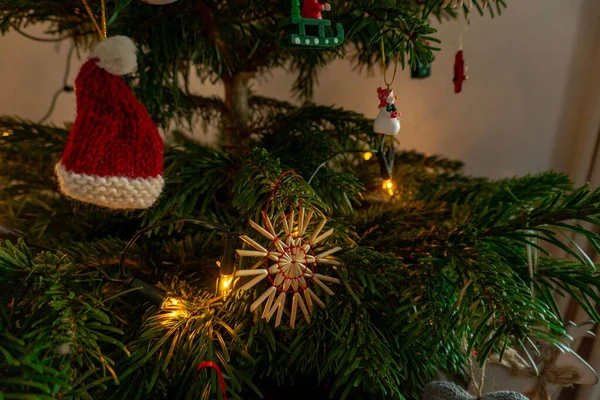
(176,311)
(367,155)
(388,186)
(7,132)
(169,302)
(225,284)
(174,316)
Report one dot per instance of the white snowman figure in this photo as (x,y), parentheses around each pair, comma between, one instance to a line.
(387,122)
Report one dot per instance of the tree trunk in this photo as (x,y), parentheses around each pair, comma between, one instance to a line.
(236,119)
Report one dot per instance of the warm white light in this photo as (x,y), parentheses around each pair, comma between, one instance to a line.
(367,155)
(7,132)
(178,314)
(388,186)
(169,302)
(225,283)
(177,311)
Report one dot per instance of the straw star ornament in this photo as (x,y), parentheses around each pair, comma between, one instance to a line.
(289,263)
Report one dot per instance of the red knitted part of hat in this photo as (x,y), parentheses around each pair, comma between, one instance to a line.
(113,134)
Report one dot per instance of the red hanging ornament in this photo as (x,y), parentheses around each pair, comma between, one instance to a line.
(213,365)
(114,155)
(459,61)
(459,71)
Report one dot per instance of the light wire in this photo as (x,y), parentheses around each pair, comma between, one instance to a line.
(334,155)
(65,87)
(139,234)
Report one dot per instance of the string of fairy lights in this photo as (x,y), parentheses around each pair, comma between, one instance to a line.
(178,308)
(227,264)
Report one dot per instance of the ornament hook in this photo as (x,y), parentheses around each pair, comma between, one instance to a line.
(384,64)
(102,30)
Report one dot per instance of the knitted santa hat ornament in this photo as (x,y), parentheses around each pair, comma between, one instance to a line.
(114,155)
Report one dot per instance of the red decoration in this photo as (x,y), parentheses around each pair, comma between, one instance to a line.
(383,95)
(114,155)
(296,253)
(387,122)
(113,134)
(459,72)
(312,9)
(213,365)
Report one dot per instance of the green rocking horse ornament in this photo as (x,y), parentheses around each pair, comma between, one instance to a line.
(308,29)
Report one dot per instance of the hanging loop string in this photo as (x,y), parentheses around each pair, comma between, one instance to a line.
(279,182)
(276,186)
(101,29)
(213,365)
(463,34)
(384,65)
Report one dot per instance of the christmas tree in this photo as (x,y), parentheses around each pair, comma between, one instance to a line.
(303,256)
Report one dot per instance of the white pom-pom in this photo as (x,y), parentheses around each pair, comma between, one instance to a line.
(117,55)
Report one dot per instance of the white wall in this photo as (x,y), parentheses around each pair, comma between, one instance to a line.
(504,123)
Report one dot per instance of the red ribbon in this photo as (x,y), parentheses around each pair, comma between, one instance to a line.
(210,364)
(276,186)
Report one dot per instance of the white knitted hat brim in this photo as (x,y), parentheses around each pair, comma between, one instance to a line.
(117,192)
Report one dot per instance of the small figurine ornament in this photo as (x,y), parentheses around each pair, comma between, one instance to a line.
(387,122)
(459,71)
(308,29)
(312,9)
